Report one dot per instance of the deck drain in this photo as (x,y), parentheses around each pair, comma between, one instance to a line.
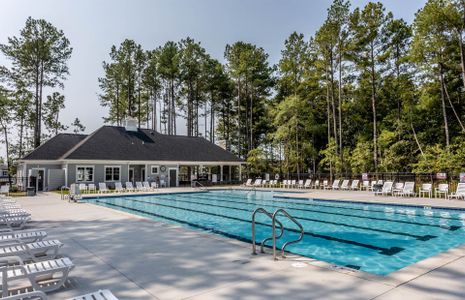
(299,265)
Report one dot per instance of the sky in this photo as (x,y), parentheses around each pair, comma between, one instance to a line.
(93,26)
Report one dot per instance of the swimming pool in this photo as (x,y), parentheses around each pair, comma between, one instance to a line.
(378,239)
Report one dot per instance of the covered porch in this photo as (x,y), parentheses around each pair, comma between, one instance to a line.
(210,173)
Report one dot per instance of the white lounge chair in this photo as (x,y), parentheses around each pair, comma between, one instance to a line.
(147,186)
(248,182)
(130,187)
(257,182)
(83,187)
(119,187)
(308,184)
(102,187)
(325,185)
(154,185)
(5,190)
(14,222)
(91,188)
(37,295)
(344,185)
(99,295)
(409,189)
(316,184)
(293,184)
(354,186)
(45,276)
(426,189)
(162,183)
(139,186)
(74,192)
(442,189)
(300,184)
(386,189)
(335,185)
(25,236)
(264,183)
(366,185)
(459,192)
(37,251)
(398,189)
(284,183)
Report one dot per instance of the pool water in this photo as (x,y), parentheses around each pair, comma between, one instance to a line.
(378,239)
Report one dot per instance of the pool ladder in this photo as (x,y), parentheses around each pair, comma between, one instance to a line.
(274,237)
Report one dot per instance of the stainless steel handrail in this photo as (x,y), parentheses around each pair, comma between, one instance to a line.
(262,244)
(201,186)
(273,231)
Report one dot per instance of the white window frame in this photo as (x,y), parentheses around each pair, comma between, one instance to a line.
(113,179)
(158,169)
(85,166)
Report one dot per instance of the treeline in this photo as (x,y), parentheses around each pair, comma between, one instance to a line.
(367,92)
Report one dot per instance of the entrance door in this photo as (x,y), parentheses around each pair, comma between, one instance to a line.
(131,175)
(40,186)
(173,177)
(143,174)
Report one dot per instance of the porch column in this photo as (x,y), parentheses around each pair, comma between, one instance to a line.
(230,179)
(240,173)
(221,173)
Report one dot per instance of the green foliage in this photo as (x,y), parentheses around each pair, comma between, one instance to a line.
(256,163)
(77,126)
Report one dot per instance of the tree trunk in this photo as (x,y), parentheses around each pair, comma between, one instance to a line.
(212,121)
(373,104)
(453,108)
(443,102)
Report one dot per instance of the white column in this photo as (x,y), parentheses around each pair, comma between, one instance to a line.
(240,172)
(230,173)
(221,172)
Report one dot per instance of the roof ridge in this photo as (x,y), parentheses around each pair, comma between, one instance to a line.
(80,143)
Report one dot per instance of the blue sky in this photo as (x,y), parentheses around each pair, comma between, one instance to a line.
(93,26)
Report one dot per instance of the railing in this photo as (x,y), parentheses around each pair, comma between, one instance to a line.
(262,244)
(273,229)
(274,237)
(200,186)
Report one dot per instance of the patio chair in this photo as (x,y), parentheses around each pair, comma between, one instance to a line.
(442,189)
(264,183)
(426,189)
(154,185)
(386,189)
(147,186)
(91,188)
(99,295)
(25,236)
(130,187)
(284,183)
(316,184)
(459,192)
(354,185)
(45,276)
(14,222)
(372,186)
(248,182)
(398,189)
(335,185)
(308,184)
(258,182)
(366,185)
(102,188)
(83,187)
(300,184)
(293,184)
(344,185)
(409,189)
(325,185)
(119,187)
(21,295)
(162,183)
(139,186)
(5,190)
(37,251)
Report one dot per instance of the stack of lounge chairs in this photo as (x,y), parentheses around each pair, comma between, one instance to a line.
(27,255)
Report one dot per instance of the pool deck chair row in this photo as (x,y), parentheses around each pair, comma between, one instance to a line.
(27,256)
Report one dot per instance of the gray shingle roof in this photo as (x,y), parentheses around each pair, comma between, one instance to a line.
(55,147)
(115,143)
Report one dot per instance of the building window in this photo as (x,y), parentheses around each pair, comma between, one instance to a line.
(84,174)
(154,169)
(112,173)
(5,173)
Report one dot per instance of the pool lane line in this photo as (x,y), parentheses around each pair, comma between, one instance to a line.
(418,237)
(317,202)
(382,250)
(451,228)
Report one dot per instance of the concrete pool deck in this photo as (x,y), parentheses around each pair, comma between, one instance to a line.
(139,258)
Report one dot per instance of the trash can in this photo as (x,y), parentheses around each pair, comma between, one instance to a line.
(31,191)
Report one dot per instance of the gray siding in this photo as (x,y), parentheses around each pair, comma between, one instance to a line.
(56,179)
(99,173)
(161,175)
(46,169)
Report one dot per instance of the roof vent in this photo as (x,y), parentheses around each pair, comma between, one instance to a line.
(131,124)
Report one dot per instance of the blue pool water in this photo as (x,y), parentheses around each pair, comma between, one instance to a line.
(378,239)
